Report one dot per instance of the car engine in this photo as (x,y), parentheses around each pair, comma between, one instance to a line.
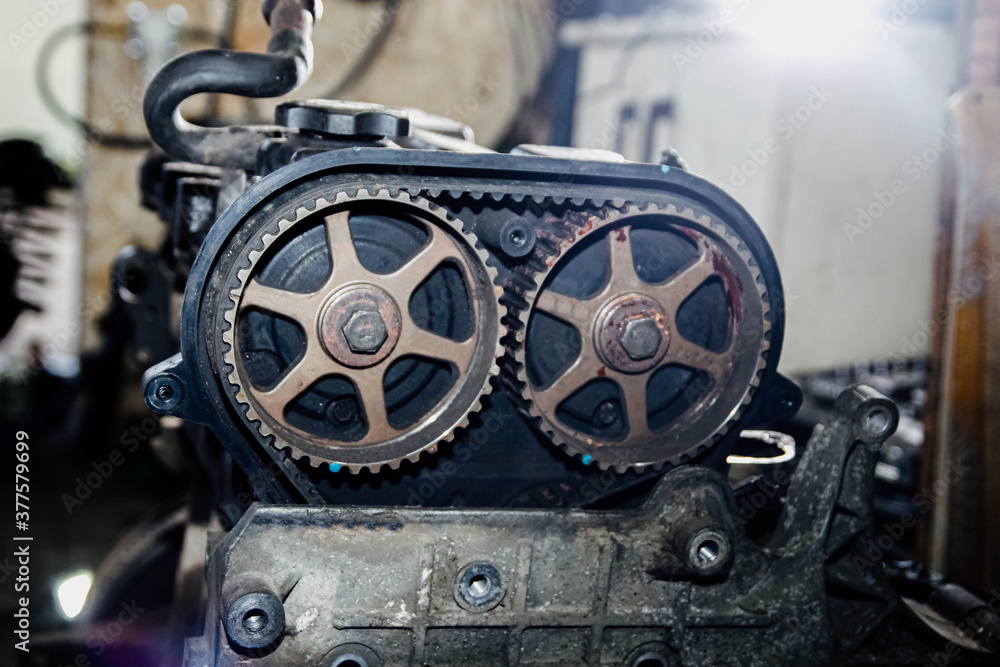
(461,407)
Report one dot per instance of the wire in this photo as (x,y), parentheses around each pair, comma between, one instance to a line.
(623,62)
(370,53)
(100,30)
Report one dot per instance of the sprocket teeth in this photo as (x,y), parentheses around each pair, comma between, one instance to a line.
(525,284)
(250,415)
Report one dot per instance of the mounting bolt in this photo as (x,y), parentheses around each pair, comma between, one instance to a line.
(641,338)
(342,411)
(163,393)
(607,413)
(365,332)
(517,238)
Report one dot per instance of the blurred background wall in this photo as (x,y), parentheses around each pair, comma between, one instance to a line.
(26,25)
(807,117)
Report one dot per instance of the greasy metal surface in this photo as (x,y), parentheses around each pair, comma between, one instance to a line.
(585,588)
(733,371)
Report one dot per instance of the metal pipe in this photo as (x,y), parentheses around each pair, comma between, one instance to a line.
(286,66)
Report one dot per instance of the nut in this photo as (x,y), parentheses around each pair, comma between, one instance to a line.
(641,338)
(365,332)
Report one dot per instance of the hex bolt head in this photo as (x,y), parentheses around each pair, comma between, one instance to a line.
(641,338)
(163,393)
(342,411)
(365,332)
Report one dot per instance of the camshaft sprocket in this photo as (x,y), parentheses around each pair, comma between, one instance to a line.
(362,331)
(637,334)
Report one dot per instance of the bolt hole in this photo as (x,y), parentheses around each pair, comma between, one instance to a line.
(708,552)
(650,660)
(786,404)
(351,662)
(479,586)
(517,236)
(254,620)
(877,421)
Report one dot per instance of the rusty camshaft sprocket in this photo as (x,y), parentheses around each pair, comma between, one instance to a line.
(627,334)
(357,327)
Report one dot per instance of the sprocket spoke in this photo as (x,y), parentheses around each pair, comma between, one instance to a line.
(634,389)
(299,307)
(372,394)
(672,293)
(577,312)
(343,252)
(313,365)
(586,368)
(693,356)
(422,343)
(623,275)
(438,248)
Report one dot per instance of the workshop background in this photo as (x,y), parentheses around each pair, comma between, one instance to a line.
(862,135)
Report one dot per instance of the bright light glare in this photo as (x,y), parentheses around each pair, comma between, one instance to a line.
(71,591)
(804,27)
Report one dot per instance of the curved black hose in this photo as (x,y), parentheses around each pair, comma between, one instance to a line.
(285,67)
